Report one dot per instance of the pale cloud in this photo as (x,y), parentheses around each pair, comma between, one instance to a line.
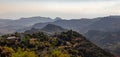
(60,8)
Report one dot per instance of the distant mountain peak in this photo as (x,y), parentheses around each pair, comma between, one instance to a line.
(58,18)
(114,16)
(48,29)
(52,28)
(109,17)
(35,17)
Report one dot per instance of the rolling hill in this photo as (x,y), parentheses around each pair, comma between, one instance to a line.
(49,29)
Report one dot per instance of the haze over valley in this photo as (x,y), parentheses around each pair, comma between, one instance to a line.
(59,28)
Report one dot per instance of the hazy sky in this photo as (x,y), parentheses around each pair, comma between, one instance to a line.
(15,9)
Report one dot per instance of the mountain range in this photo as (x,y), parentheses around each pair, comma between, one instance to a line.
(109,23)
(10,26)
(103,31)
(106,35)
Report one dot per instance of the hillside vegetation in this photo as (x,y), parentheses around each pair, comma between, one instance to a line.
(65,44)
